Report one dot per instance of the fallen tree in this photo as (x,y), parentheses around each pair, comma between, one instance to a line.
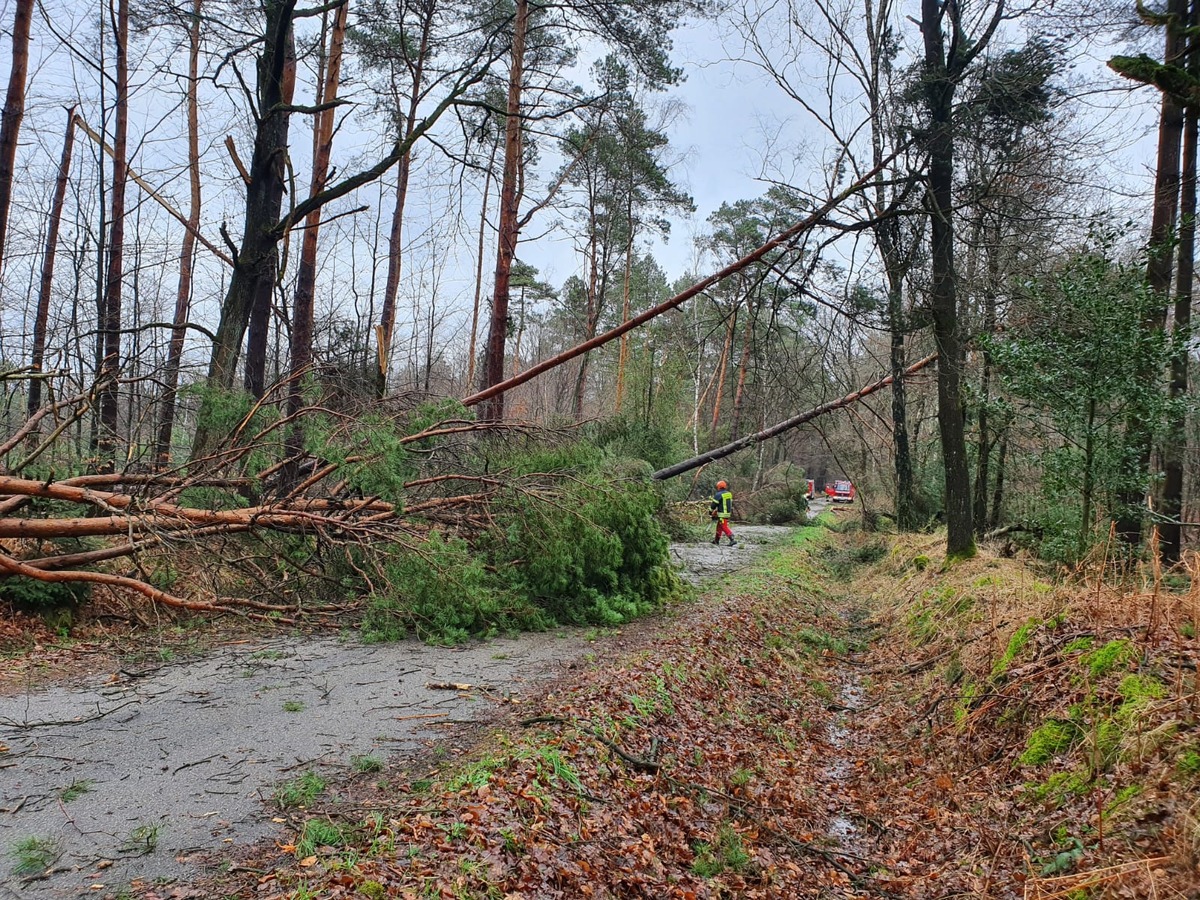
(786,425)
(814,220)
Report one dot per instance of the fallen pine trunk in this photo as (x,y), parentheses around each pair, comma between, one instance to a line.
(786,425)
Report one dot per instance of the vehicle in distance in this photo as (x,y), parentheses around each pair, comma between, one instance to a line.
(840,491)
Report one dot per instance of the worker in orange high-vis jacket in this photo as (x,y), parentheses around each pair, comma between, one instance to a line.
(722,509)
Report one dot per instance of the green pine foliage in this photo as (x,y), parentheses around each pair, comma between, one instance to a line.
(575,540)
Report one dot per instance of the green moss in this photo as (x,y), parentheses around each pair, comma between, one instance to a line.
(1107,658)
(962,708)
(1058,787)
(1188,763)
(1047,741)
(1083,643)
(1120,798)
(1137,691)
(1016,644)
(1134,688)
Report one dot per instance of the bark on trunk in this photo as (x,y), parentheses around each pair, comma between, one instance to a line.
(14,112)
(187,252)
(722,371)
(510,201)
(42,316)
(939,99)
(739,392)
(255,267)
(1171,531)
(906,512)
(391,289)
(984,450)
(110,325)
(306,275)
(487,188)
(998,492)
(1158,279)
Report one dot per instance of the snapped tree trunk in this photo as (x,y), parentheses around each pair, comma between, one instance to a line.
(42,315)
(183,294)
(510,201)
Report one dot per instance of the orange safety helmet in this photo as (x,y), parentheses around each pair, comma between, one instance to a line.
(721,485)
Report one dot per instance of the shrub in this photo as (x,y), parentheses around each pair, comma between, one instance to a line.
(442,593)
(596,554)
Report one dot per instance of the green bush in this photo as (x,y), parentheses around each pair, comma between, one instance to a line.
(631,438)
(443,594)
(595,554)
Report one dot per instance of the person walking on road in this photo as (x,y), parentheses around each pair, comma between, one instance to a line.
(722,509)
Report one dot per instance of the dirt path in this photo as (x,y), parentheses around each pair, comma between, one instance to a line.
(139,776)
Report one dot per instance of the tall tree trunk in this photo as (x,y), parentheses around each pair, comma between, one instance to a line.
(487,188)
(1089,480)
(187,252)
(939,100)
(1158,278)
(739,392)
(306,274)
(984,450)
(998,490)
(906,507)
(1171,531)
(42,316)
(623,353)
(14,112)
(387,323)
(722,371)
(254,270)
(510,202)
(250,296)
(110,324)
(591,314)
(255,267)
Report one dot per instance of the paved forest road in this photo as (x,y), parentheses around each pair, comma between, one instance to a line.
(135,776)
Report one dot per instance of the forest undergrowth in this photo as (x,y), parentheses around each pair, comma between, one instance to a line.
(844,719)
